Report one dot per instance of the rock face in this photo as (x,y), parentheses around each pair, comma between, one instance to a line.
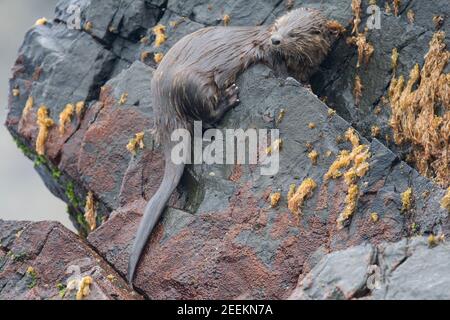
(219,238)
(44,260)
(406,270)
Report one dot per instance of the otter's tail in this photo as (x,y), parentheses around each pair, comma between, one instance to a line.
(172,176)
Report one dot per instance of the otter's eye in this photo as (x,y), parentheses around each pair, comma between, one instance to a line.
(315,32)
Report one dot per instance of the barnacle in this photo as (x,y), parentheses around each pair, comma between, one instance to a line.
(313,156)
(303,192)
(445,202)
(312,125)
(90,213)
(226,20)
(158,57)
(84,288)
(275,199)
(65,117)
(144,40)
(44,122)
(28,106)
(406,200)
(41,22)
(415,117)
(160,32)
(137,141)
(15,92)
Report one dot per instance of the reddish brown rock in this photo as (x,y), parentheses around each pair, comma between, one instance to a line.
(39,260)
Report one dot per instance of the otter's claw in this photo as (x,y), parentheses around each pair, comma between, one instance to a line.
(232,96)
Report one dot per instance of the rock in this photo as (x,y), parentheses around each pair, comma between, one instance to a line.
(219,238)
(39,260)
(406,270)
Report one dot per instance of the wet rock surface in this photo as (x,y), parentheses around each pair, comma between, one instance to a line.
(46,261)
(220,238)
(406,270)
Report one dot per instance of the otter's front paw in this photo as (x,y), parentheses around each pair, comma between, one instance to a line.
(232,96)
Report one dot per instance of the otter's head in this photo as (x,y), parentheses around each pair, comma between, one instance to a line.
(301,38)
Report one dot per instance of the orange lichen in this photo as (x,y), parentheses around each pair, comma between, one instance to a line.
(357,90)
(365,49)
(303,192)
(144,40)
(90,213)
(45,123)
(79,108)
(275,199)
(291,191)
(358,158)
(123,98)
(144,55)
(350,205)
(396,4)
(375,131)
(28,106)
(137,141)
(65,117)
(331,112)
(275,147)
(445,202)
(421,112)
(88,26)
(312,125)
(438,22)
(313,156)
(407,200)
(387,8)
(356,8)
(84,288)
(158,57)
(433,240)
(280,116)
(411,16)
(41,22)
(335,27)
(374,217)
(394,59)
(160,32)
(226,20)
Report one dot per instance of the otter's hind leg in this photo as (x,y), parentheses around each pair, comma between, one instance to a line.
(228,100)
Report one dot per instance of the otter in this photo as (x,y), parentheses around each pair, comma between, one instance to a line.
(195,81)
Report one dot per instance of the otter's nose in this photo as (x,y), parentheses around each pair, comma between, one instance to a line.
(276,40)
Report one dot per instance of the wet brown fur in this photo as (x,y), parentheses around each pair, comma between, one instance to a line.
(194,76)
